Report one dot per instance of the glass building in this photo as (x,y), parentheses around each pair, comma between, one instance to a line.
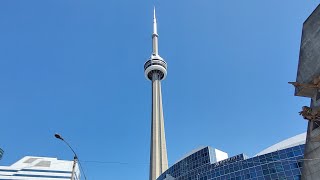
(282,161)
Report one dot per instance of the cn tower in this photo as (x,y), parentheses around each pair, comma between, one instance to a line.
(155,69)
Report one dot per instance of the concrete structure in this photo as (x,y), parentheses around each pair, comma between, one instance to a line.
(155,69)
(39,168)
(280,161)
(308,70)
(1,153)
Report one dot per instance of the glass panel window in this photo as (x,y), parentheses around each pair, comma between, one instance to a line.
(298,177)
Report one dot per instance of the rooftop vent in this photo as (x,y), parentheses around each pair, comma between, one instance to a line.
(43,164)
(30,160)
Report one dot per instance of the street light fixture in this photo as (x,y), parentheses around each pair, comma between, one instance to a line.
(75,159)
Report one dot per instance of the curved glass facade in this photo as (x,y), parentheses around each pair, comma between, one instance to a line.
(284,164)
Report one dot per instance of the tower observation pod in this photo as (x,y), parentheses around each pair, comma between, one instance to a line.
(155,69)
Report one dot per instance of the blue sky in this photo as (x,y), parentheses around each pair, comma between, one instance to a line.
(76,68)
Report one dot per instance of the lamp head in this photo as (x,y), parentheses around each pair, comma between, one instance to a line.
(58,136)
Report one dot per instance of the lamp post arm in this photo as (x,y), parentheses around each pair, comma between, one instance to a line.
(75,154)
(76,157)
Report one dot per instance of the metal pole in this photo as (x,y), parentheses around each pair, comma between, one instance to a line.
(74,167)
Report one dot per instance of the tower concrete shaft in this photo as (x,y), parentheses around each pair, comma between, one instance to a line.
(158,155)
(155,70)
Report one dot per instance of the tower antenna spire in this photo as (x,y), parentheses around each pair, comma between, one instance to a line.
(154,21)
(155,34)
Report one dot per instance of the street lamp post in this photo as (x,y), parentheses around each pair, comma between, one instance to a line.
(74,167)
(75,158)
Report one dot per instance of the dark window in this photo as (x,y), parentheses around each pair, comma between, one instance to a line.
(265,171)
(267,177)
(258,168)
(286,167)
(281,175)
(298,177)
(290,154)
(297,152)
(294,165)
(283,156)
(274,176)
(288,173)
(296,172)
(278,167)
(276,156)
(253,174)
(259,173)
(272,170)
